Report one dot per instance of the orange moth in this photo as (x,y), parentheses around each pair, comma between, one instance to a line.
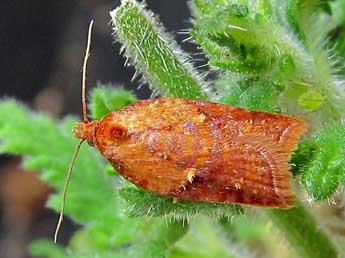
(196,150)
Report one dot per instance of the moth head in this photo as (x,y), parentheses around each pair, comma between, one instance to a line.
(110,133)
(86,131)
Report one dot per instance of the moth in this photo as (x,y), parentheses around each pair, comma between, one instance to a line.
(197,150)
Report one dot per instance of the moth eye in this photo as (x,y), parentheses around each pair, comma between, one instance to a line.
(90,143)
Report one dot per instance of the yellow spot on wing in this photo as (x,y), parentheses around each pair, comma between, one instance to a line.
(200,119)
(191,172)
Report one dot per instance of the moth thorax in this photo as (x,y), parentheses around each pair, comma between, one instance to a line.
(86,130)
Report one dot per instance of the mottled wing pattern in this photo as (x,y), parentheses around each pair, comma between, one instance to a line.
(199,150)
(157,146)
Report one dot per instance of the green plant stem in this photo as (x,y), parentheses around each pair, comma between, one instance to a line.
(155,53)
(303,233)
(157,238)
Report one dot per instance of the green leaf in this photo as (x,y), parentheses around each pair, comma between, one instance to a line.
(265,8)
(106,100)
(311,100)
(48,148)
(325,168)
(292,14)
(267,42)
(143,203)
(251,93)
(301,13)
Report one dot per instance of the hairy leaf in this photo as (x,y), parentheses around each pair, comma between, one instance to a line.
(142,203)
(324,169)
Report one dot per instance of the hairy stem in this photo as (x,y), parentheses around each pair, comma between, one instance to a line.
(155,53)
(303,233)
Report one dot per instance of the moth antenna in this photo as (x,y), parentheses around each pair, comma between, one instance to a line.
(68,179)
(83,84)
